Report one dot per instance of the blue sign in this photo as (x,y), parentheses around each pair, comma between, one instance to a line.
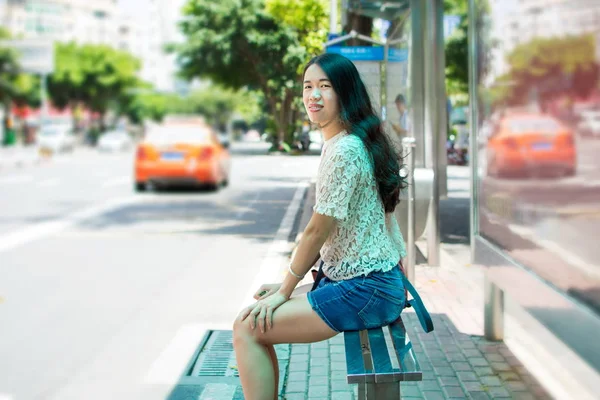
(398,55)
(369,53)
(331,36)
(358,53)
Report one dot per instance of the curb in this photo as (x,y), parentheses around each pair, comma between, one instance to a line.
(306,214)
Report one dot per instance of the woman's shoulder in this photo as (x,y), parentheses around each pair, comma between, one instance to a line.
(350,143)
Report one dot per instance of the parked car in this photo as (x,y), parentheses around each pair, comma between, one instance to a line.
(589,124)
(525,143)
(114,141)
(56,138)
(182,154)
(316,138)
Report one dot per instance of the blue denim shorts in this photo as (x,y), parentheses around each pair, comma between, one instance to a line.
(364,302)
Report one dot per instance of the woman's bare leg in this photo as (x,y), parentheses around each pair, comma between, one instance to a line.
(294,322)
(275,364)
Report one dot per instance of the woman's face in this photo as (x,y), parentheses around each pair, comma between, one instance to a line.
(320,100)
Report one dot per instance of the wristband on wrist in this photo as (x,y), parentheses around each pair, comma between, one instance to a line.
(295,275)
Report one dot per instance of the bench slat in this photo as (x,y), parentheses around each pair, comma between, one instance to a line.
(409,366)
(381,360)
(354,357)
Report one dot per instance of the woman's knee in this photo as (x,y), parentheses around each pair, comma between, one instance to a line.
(242,330)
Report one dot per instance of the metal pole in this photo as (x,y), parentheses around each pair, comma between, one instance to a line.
(417,78)
(333,16)
(408,143)
(493,311)
(384,79)
(434,121)
(43,99)
(473,126)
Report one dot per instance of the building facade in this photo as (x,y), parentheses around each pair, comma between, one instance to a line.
(143,32)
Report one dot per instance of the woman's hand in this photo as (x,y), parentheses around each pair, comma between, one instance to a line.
(266,290)
(261,313)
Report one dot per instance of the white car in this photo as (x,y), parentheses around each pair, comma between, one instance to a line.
(316,138)
(56,138)
(115,141)
(590,124)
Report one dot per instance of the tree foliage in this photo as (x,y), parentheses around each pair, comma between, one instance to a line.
(92,75)
(544,66)
(309,18)
(15,85)
(457,49)
(218,104)
(253,44)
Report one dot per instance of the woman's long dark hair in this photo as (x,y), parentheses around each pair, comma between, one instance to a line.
(358,115)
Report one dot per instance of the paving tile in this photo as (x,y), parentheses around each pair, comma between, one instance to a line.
(478,362)
(483,371)
(454,392)
(508,376)
(318,392)
(409,391)
(467,376)
(461,366)
(491,381)
(296,387)
(299,366)
(501,367)
(297,376)
(478,396)
(499,392)
(449,381)
(342,396)
(318,381)
(427,395)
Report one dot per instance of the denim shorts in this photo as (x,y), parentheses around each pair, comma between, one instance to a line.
(364,302)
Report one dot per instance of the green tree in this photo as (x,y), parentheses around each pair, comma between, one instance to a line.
(94,76)
(309,18)
(237,44)
(544,66)
(457,50)
(218,104)
(16,87)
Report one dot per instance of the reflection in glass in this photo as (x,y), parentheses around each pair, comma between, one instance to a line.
(538,99)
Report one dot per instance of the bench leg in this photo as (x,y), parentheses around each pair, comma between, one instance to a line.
(493,311)
(362,391)
(379,391)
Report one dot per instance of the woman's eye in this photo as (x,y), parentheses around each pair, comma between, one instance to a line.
(306,87)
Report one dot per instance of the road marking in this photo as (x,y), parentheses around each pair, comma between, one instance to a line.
(248,207)
(123,180)
(49,182)
(570,257)
(167,368)
(16,179)
(37,231)
(277,254)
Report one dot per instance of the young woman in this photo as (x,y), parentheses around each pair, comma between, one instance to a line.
(353,230)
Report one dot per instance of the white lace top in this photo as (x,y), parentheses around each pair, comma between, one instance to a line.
(364,237)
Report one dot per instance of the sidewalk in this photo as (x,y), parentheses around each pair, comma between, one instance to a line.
(457,362)
(18,156)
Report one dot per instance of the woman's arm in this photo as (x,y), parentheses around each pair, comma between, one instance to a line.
(307,254)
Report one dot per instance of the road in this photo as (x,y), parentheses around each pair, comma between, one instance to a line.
(550,224)
(104,292)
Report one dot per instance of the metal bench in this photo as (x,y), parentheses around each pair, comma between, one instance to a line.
(379,359)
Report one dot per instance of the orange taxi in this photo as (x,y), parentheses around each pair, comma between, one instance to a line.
(523,144)
(181,154)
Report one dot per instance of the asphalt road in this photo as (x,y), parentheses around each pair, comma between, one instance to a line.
(104,292)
